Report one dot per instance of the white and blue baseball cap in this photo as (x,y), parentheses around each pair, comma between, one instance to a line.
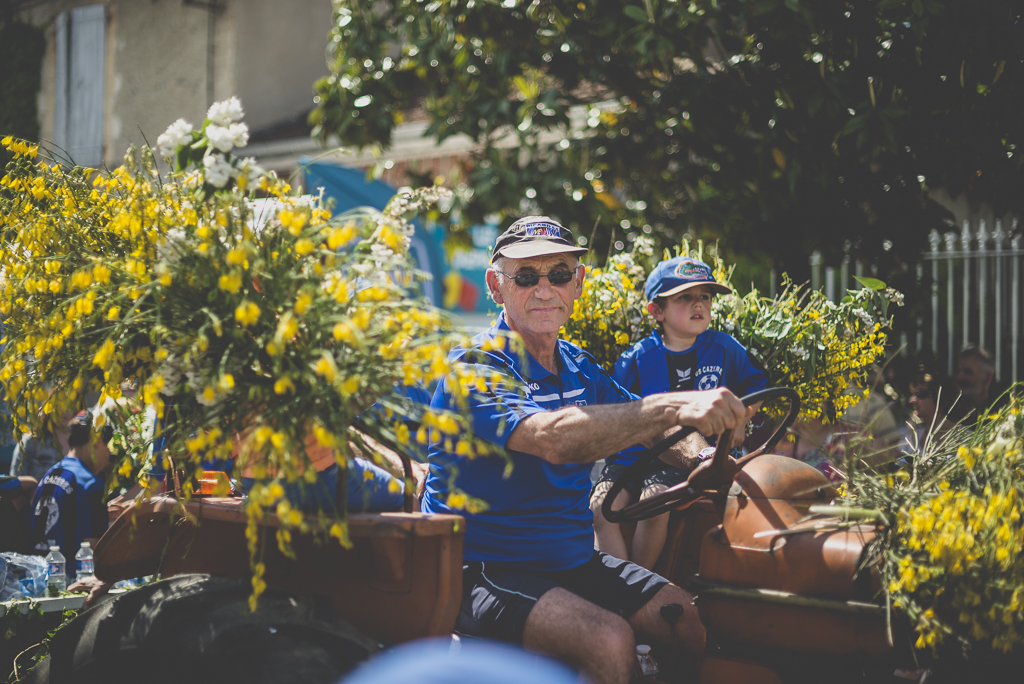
(535,236)
(681,273)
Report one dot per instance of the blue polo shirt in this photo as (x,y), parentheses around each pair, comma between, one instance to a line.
(539,513)
(721,362)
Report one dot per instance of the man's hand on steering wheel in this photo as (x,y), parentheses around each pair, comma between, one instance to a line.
(721,414)
(713,412)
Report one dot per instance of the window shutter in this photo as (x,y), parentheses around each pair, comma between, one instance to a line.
(87,67)
(60,98)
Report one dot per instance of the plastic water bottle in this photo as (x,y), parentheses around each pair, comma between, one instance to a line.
(83,561)
(648,667)
(57,580)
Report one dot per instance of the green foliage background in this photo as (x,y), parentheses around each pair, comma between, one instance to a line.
(776,126)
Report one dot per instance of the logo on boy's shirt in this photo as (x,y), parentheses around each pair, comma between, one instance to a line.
(58,481)
(708,377)
(684,374)
(52,512)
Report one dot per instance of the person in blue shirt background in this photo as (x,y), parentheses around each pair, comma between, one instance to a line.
(68,506)
(532,575)
(683,355)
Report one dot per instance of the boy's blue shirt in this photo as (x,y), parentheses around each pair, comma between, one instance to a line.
(68,507)
(721,362)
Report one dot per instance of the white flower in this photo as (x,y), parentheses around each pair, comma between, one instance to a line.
(219,137)
(225,112)
(170,247)
(252,172)
(380,252)
(864,316)
(225,138)
(176,135)
(644,245)
(195,379)
(218,171)
(171,370)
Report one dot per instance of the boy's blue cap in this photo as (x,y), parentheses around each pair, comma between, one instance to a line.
(681,273)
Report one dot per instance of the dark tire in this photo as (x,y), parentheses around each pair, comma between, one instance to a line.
(199,629)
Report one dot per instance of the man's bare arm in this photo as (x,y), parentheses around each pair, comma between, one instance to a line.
(585,434)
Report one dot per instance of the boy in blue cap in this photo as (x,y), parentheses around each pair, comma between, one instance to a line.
(682,355)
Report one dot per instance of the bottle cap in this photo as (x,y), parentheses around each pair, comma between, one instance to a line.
(642,649)
(55,548)
(86,545)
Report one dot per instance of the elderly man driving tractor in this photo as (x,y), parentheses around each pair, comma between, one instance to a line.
(531,573)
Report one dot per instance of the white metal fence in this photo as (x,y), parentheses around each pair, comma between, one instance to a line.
(976,295)
(974,291)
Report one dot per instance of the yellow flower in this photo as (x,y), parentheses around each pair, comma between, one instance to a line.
(101,273)
(326,367)
(287,327)
(247,313)
(235,256)
(292,220)
(343,332)
(103,354)
(231,282)
(304,246)
(402,433)
(303,302)
(284,385)
(261,435)
(350,385)
(339,236)
(114,313)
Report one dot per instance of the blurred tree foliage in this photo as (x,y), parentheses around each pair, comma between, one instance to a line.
(778,126)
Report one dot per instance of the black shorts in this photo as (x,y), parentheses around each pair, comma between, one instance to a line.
(497,597)
(657,472)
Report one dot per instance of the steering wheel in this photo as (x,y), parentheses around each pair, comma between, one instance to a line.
(706,477)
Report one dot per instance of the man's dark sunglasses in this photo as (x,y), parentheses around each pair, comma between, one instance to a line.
(924,394)
(530,279)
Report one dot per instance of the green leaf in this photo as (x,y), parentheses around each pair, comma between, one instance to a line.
(635,13)
(870,283)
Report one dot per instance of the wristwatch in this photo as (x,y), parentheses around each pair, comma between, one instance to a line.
(705,454)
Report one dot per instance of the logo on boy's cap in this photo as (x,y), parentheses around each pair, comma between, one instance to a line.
(681,273)
(535,236)
(691,268)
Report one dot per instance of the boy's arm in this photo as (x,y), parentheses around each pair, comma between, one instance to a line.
(684,453)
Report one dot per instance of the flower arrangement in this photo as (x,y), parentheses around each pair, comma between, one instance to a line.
(611,313)
(951,557)
(805,341)
(808,342)
(251,319)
